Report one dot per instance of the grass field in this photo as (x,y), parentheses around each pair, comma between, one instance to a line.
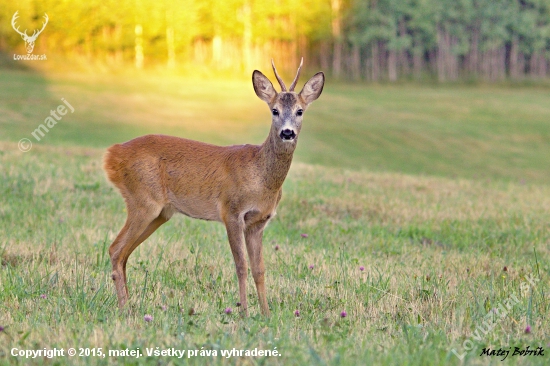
(433,191)
(453,131)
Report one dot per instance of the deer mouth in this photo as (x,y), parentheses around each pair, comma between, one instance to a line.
(287,135)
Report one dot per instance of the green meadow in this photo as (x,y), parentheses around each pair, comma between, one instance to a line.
(426,209)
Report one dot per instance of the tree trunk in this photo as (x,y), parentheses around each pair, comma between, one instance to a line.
(356,62)
(383,59)
(247,36)
(533,65)
(441,54)
(487,64)
(502,63)
(375,56)
(336,35)
(543,66)
(538,65)
(418,60)
(325,55)
(170,47)
(432,61)
(495,64)
(217,53)
(452,60)
(138,46)
(521,65)
(337,59)
(473,55)
(514,55)
(200,51)
(403,58)
(392,65)
(170,41)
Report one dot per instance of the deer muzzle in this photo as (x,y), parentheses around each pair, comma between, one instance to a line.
(287,134)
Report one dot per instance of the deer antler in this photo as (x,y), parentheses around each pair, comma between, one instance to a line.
(35,34)
(13,19)
(297,76)
(283,86)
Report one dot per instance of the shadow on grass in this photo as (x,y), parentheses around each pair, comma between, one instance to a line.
(23,93)
(29,98)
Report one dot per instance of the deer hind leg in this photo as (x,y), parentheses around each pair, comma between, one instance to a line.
(140,224)
(253,236)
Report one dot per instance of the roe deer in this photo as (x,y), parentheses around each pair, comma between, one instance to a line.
(239,186)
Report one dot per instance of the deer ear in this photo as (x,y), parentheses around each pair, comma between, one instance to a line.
(313,88)
(263,87)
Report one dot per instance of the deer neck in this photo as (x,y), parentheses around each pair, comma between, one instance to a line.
(276,157)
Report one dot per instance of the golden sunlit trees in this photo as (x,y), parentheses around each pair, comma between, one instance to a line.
(353,39)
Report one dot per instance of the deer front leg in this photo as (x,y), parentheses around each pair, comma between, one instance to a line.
(235,235)
(253,236)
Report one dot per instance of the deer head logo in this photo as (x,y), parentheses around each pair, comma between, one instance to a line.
(29,40)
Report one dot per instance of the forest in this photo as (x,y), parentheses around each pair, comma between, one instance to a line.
(361,40)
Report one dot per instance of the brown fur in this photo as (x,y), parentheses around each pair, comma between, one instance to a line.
(239,186)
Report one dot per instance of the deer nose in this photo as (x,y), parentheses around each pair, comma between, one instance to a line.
(288,134)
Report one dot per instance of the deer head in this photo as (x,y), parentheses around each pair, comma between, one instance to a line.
(29,40)
(287,107)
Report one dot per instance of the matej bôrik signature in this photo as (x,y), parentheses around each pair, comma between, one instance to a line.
(504,352)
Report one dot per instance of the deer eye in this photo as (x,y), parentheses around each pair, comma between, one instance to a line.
(300,112)
(275,112)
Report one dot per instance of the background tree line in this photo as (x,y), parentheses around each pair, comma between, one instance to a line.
(352,39)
